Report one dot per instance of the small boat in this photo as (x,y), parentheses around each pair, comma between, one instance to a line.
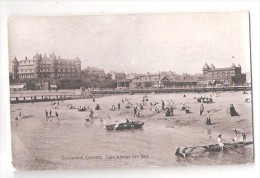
(123,126)
(210,148)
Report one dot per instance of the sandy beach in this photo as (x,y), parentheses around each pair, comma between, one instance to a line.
(70,144)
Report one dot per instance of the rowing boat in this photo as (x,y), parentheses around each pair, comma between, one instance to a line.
(211,148)
(123,126)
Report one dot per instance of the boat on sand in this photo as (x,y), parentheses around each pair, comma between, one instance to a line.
(210,148)
(125,126)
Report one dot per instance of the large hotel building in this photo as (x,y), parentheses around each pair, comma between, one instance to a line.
(227,75)
(46,67)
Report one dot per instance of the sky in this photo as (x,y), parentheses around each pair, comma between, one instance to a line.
(137,43)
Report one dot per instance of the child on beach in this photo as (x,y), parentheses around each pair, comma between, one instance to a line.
(220,142)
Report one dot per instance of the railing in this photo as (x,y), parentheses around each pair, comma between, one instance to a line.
(172,89)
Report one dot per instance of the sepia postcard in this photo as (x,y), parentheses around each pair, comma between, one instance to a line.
(130,90)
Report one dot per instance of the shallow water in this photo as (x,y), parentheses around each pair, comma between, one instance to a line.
(70,144)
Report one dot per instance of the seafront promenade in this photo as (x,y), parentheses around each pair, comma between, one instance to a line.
(171,90)
(25,96)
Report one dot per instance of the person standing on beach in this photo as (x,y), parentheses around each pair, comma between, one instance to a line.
(57,116)
(135,111)
(208,122)
(118,106)
(46,115)
(91,114)
(20,115)
(94,100)
(50,114)
(201,109)
(162,105)
(220,142)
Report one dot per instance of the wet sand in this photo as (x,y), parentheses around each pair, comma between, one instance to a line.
(70,144)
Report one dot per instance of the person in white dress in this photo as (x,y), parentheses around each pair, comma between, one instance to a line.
(220,142)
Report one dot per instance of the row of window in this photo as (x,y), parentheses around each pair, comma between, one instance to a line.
(45,70)
(26,71)
(26,76)
(223,74)
(66,63)
(45,66)
(66,66)
(67,75)
(66,70)
(46,75)
(26,61)
(46,62)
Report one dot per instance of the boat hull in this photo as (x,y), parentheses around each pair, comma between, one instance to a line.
(126,126)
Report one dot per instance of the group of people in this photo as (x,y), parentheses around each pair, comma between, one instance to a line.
(205,99)
(55,104)
(48,115)
(185,108)
(240,136)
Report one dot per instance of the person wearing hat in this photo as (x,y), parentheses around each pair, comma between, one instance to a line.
(233,111)
(208,122)
(220,142)
(240,134)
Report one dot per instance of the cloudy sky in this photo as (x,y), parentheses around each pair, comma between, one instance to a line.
(180,42)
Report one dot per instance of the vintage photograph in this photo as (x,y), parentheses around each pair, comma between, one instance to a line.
(130,90)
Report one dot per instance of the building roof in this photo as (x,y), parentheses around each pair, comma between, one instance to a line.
(93,68)
(221,69)
(14,59)
(150,78)
(205,67)
(212,66)
(184,80)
